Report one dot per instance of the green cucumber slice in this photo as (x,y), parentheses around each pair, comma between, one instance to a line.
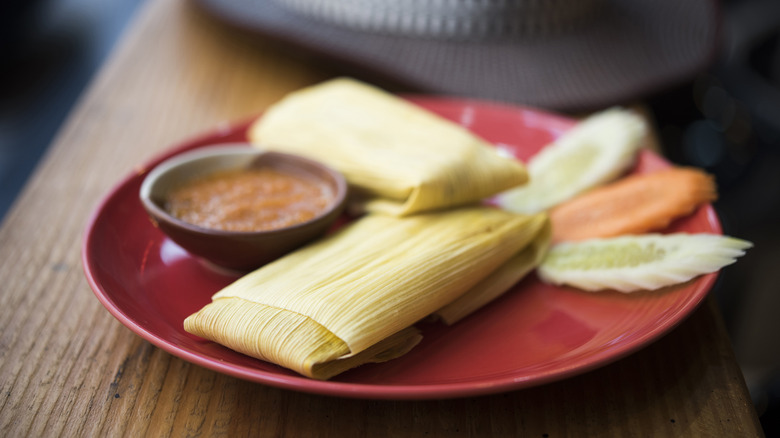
(645,262)
(596,151)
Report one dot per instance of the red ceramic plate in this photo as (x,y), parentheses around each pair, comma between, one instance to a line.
(534,334)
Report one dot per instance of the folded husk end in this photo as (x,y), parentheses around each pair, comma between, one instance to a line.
(265,333)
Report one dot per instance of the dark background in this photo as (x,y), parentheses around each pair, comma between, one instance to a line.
(725,120)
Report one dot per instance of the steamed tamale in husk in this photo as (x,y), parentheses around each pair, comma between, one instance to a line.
(398,158)
(353,297)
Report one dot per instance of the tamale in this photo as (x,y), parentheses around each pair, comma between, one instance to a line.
(354,296)
(398,157)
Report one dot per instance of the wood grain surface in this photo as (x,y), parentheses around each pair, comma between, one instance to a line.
(68,368)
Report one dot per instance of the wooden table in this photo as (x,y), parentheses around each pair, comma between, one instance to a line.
(67,367)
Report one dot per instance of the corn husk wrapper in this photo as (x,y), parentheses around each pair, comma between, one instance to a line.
(354,296)
(502,279)
(398,158)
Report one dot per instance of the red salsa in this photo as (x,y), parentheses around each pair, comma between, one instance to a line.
(255,199)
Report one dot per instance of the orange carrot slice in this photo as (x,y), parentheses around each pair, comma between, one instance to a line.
(635,204)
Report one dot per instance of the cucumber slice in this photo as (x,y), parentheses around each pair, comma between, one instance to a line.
(596,151)
(646,262)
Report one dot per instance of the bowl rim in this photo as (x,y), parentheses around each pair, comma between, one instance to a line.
(237,148)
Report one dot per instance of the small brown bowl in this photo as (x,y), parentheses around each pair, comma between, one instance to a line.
(237,250)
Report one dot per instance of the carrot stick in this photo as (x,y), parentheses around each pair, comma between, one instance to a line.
(635,204)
